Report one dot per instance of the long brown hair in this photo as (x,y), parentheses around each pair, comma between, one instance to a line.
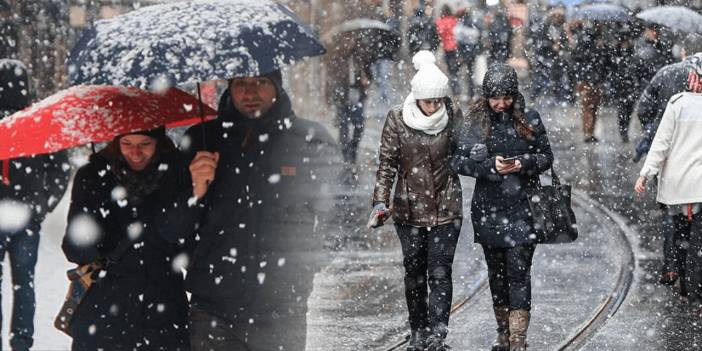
(479,113)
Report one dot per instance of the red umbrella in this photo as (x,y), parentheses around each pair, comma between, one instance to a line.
(93,113)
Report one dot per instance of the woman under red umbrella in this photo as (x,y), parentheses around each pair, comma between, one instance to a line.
(138,300)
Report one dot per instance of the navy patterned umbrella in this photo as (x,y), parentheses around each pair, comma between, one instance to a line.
(191,41)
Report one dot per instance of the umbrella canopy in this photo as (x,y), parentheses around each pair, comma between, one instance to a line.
(369,38)
(603,13)
(674,17)
(85,114)
(189,42)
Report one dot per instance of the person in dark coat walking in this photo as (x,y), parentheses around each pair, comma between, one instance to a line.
(31,188)
(650,52)
(468,35)
(416,143)
(499,37)
(257,202)
(505,147)
(668,81)
(346,89)
(550,51)
(138,301)
(422,33)
(592,61)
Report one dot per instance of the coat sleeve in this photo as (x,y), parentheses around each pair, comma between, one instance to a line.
(87,220)
(55,178)
(180,214)
(540,157)
(467,136)
(389,158)
(648,104)
(661,143)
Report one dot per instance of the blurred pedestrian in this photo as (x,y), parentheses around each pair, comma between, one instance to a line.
(499,36)
(550,52)
(650,53)
(138,300)
(668,81)
(347,90)
(257,202)
(416,143)
(422,34)
(445,26)
(468,34)
(31,188)
(591,56)
(505,147)
(674,158)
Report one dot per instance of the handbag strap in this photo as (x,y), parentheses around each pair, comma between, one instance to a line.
(554,176)
(116,254)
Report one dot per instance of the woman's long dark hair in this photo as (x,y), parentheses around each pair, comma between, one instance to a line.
(480,114)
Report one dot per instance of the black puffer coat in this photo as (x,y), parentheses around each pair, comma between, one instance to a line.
(38,182)
(140,303)
(260,228)
(500,211)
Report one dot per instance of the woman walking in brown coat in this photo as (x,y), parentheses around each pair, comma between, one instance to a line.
(416,143)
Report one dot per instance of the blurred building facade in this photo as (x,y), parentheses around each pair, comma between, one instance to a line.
(41,32)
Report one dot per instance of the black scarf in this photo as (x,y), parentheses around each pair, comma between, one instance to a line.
(138,184)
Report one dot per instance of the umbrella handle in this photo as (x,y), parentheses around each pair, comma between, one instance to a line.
(6,172)
(202,117)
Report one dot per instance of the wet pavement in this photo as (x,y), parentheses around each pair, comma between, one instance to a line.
(358,302)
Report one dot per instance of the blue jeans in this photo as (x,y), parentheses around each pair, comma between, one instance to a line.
(22,247)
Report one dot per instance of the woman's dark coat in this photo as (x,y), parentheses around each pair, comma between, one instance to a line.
(140,302)
(427,191)
(499,210)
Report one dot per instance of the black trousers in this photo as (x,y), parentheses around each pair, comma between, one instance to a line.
(693,264)
(428,257)
(676,231)
(509,272)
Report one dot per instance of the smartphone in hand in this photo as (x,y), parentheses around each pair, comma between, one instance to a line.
(509,160)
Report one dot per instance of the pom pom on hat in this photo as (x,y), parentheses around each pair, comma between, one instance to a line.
(429,82)
(422,58)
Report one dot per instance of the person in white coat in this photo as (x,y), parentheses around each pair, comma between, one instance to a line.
(675,158)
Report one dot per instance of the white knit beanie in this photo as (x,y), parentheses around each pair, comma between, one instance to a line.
(429,82)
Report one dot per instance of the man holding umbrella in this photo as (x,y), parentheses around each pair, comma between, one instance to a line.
(257,210)
(255,198)
(31,188)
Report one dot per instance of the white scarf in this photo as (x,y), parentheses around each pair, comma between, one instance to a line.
(416,119)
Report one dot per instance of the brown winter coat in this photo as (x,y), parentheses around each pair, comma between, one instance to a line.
(427,191)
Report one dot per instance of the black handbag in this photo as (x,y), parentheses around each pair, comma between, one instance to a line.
(81,279)
(554,219)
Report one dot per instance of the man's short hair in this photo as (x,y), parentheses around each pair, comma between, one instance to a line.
(692,44)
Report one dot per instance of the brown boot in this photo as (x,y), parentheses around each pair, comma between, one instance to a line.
(518,325)
(502,316)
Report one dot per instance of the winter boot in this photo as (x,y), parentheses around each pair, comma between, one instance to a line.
(417,341)
(502,316)
(436,343)
(518,325)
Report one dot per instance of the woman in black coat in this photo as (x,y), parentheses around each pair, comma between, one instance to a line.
(138,301)
(505,148)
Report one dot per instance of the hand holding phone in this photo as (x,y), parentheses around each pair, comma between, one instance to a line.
(509,160)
